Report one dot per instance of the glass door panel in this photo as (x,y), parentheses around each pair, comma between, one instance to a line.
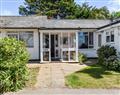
(72,48)
(65,40)
(68,47)
(46,56)
(46,47)
(65,56)
(72,40)
(57,46)
(72,56)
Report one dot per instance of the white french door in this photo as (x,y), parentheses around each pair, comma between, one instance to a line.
(45,49)
(65,47)
(69,51)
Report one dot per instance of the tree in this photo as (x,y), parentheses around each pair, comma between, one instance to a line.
(51,8)
(85,11)
(65,9)
(115,15)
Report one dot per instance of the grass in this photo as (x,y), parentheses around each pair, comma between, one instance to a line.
(33,72)
(94,76)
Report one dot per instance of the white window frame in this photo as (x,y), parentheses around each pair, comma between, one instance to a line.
(108,33)
(88,41)
(18,34)
(13,34)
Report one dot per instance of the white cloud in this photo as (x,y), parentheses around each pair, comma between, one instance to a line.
(6,13)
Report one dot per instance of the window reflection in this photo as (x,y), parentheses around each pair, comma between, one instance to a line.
(85,40)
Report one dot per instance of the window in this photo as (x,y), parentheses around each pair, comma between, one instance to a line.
(27,37)
(85,40)
(99,40)
(13,35)
(110,36)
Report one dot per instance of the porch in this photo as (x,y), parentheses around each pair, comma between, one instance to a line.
(58,46)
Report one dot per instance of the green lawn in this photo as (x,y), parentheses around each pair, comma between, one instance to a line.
(93,77)
(33,72)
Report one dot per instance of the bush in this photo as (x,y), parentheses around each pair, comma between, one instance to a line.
(105,52)
(13,69)
(107,56)
(112,63)
(82,58)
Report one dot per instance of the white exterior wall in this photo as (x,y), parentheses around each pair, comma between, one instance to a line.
(34,52)
(118,40)
(116,29)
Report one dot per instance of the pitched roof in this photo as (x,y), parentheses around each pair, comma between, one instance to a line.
(43,22)
(112,23)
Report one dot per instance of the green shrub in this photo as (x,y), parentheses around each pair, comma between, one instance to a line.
(105,52)
(82,58)
(112,63)
(107,56)
(13,69)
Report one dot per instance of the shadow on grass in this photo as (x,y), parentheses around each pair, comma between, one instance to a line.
(95,71)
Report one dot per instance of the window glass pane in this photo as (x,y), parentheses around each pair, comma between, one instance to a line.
(72,55)
(56,40)
(83,40)
(56,53)
(107,38)
(72,40)
(99,40)
(45,40)
(65,55)
(90,38)
(12,35)
(27,37)
(112,36)
(46,56)
(65,40)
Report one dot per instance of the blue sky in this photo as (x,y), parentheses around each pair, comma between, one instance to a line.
(10,7)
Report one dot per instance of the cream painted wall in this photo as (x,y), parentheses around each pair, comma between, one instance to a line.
(34,52)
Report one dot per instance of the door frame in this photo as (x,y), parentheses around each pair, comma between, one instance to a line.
(42,49)
(49,49)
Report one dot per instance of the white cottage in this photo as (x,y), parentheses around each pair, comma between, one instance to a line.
(60,40)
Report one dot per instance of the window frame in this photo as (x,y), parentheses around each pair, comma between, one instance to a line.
(88,42)
(18,34)
(109,35)
(13,33)
(99,40)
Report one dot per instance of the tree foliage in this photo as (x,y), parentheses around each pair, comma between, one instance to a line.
(65,9)
(115,15)
(13,70)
